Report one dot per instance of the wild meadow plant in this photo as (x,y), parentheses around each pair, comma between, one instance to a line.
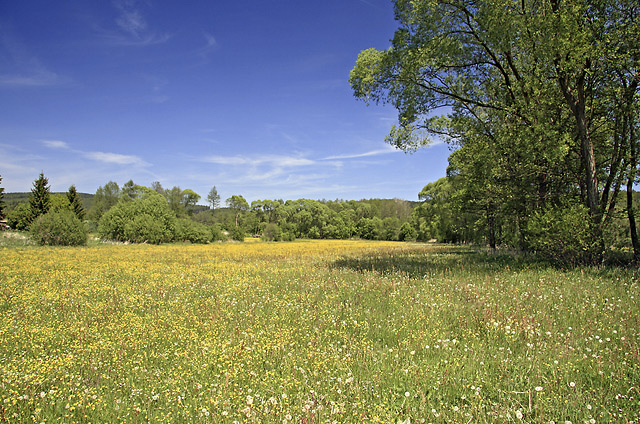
(313,332)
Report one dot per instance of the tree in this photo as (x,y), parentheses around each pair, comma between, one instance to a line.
(189,199)
(132,191)
(105,198)
(40,197)
(1,200)
(213,198)
(239,204)
(527,78)
(145,219)
(76,203)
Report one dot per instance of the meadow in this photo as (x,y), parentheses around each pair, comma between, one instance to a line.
(313,332)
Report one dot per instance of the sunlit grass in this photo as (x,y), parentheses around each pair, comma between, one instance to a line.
(302,332)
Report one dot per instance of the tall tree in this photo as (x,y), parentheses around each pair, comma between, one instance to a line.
(213,198)
(532,72)
(76,203)
(40,197)
(239,204)
(1,200)
(105,198)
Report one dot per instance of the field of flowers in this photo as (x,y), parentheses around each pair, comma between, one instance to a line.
(312,332)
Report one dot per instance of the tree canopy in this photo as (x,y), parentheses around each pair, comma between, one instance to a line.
(539,99)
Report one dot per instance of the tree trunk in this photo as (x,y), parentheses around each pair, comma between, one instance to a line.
(633,159)
(576,100)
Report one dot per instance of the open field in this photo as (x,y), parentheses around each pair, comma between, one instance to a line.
(312,332)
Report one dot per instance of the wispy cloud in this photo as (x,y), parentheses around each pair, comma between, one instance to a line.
(385,151)
(131,27)
(20,68)
(104,157)
(55,144)
(115,158)
(272,160)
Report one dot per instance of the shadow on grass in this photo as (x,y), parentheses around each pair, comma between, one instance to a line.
(426,261)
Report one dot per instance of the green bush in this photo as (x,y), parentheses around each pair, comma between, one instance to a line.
(61,228)
(237,234)
(195,232)
(563,234)
(20,217)
(145,229)
(216,233)
(407,233)
(145,219)
(271,232)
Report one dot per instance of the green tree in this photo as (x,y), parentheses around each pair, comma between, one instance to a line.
(19,217)
(147,218)
(105,198)
(189,199)
(40,197)
(213,198)
(533,72)
(239,204)
(1,200)
(76,203)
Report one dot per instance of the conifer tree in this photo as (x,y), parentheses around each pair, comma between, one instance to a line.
(1,200)
(76,203)
(39,199)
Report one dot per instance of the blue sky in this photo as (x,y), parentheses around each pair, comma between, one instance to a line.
(251,96)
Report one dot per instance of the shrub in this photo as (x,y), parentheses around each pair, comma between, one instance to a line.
(216,233)
(20,217)
(237,233)
(563,234)
(271,232)
(195,232)
(144,219)
(407,233)
(61,228)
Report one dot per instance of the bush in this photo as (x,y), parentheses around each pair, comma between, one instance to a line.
(144,219)
(407,233)
(271,232)
(145,229)
(216,233)
(563,234)
(195,232)
(237,234)
(61,228)
(20,217)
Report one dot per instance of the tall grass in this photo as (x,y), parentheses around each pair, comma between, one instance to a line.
(313,332)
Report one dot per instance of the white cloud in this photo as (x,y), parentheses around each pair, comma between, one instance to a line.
(55,144)
(377,152)
(270,160)
(115,158)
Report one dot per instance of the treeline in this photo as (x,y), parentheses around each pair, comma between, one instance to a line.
(154,214)
(374,219)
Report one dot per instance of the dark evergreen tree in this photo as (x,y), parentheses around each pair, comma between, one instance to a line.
(40,197)
(76,203)
(1,200)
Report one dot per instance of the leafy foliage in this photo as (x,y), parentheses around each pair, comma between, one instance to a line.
(58,228)
(146,218)
(20,217)
(194,232)
(564,234)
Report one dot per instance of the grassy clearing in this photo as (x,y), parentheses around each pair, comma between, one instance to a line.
(312,332)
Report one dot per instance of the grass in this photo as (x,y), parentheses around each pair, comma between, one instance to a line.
(313,332)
